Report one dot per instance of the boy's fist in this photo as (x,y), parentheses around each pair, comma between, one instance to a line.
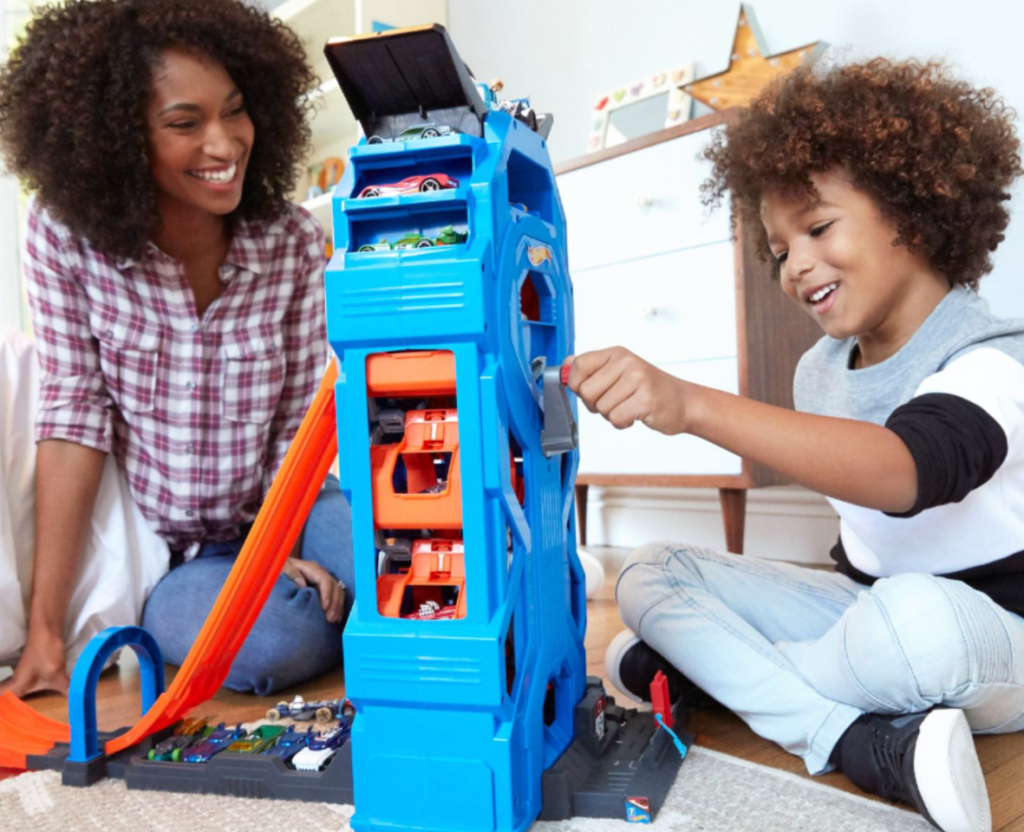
(625,389)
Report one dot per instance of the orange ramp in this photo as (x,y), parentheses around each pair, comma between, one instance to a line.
(23,731)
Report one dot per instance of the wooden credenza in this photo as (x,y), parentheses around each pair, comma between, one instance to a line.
(658,273)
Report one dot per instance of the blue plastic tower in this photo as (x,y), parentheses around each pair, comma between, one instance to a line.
(458,717)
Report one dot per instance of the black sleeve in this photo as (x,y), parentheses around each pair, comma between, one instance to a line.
(956,445)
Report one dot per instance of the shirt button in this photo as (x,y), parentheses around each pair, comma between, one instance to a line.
(191,385)
(190,447)
(189,512)
(110,333)
(194,328)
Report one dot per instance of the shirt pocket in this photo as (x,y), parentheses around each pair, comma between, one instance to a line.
(253,375)
(129,358)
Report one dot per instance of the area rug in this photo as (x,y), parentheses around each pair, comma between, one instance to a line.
(713,793)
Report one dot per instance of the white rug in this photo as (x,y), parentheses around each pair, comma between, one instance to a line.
(713,793)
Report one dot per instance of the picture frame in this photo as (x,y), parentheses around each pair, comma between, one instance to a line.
(643,106)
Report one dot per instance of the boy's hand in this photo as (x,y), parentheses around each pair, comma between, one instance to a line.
(332,592)
(41,667)
(625,389)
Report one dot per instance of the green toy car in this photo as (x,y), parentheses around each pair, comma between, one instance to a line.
(447,236)
(259,739)
(414,241)
(383,245)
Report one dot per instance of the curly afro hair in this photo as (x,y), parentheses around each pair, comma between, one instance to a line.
(73,98)
(936,154)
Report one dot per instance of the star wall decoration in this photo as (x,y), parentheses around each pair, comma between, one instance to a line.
(750,71)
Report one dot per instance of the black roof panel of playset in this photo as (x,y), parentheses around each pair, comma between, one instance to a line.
(405,72)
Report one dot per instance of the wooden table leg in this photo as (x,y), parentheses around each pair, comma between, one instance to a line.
(581,512)
(734,515)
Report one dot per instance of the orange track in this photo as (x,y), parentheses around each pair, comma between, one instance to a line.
(23,731)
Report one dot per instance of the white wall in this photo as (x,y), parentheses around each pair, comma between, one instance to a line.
(563,53)
(788,523)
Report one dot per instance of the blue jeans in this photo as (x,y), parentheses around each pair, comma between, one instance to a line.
(800,653)
(291,640)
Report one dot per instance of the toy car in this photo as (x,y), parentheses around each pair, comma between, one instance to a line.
(301,710)
(290,743)
(219,739)
(419,131)
(383,245)
(348,710)
(520,108)
(411,184)
(414,241)
(447,236)
(322,747)
(259,739)
(432,611)
(184,735)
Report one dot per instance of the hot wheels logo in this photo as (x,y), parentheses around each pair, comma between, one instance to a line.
(638,810)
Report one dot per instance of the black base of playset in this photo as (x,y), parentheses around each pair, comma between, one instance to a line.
(618,754)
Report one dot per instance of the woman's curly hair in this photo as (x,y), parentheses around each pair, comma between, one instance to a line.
(936,154)
(73,99)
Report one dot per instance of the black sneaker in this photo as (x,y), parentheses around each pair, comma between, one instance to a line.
(925,760)
(631,666)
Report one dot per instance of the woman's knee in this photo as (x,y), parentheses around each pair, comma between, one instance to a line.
(179,605)
(290,643)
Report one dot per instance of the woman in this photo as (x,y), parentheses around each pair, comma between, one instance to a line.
(177,302)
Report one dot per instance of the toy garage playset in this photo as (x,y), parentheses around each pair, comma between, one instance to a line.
(449,308)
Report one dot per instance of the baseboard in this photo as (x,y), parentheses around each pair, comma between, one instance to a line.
(785,522)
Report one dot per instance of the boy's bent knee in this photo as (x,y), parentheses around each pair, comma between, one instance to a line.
(659,554)
(939,635)
(647,578)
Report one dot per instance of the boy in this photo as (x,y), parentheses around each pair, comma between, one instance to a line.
(878,190)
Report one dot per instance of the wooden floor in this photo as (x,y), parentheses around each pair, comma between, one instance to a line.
(1002,757)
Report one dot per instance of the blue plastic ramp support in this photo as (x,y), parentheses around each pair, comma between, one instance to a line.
(456,725)
(82,694)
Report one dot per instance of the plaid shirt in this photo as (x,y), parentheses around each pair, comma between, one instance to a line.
(198,411)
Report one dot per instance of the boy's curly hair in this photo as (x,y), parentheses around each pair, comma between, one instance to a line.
(936,154)
(74,92)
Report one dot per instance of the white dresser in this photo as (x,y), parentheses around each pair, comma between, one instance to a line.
(657,272)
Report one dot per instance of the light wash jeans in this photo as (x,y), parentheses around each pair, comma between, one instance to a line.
(800,653)
(291,640)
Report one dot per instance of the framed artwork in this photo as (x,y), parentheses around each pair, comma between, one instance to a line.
(642,107)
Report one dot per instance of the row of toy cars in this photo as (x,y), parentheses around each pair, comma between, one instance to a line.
(518,108)
(195,741)
(447,236)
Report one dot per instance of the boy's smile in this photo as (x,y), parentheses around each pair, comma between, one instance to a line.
(838,261)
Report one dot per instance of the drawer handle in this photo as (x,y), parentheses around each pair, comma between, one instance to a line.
(649,312)
(642,202)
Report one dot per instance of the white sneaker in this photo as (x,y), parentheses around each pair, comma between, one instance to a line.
(925,760)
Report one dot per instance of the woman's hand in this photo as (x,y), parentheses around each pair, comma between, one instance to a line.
(332,592)
(625,389)
(41,667)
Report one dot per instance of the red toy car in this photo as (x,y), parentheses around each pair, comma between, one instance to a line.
(431,611)
(410,185)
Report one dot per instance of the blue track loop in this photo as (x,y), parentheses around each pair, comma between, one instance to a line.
(82,695)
